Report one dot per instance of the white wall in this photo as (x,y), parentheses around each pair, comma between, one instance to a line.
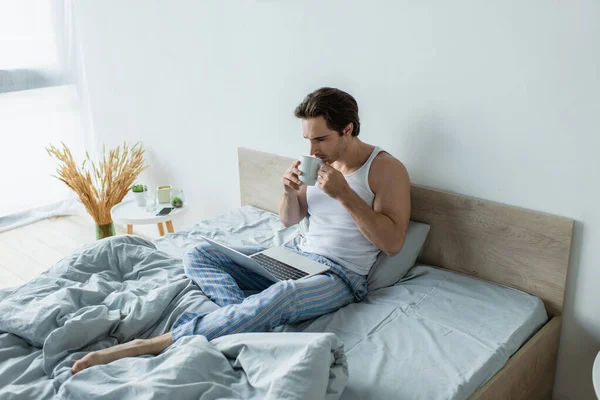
(495,99)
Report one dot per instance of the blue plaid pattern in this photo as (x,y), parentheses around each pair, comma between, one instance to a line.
(275,304)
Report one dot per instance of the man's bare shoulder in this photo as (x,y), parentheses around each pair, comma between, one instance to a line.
(387,169)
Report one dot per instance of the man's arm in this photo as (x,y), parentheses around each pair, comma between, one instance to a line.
(385,224)
(293,205)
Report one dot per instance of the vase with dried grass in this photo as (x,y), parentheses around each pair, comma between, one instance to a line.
(103,185)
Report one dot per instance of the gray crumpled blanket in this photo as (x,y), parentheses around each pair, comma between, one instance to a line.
(122,288)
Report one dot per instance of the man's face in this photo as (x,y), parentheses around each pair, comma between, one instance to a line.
(325,143)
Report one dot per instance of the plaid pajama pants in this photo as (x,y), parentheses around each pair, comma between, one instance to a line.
(273,304)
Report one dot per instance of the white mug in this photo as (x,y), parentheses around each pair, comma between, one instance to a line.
(309,167)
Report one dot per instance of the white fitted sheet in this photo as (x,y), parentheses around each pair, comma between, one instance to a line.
(436,334)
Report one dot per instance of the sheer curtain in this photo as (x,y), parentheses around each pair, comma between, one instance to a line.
(43,100)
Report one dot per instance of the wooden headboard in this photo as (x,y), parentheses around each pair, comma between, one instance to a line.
(524,249)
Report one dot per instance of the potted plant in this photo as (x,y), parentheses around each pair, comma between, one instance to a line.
(103,184)
(177,198)
(139,194)
(177,202)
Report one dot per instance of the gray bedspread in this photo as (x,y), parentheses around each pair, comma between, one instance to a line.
(124,288)
(435,335)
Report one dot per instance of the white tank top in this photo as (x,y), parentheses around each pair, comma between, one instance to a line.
(332,232)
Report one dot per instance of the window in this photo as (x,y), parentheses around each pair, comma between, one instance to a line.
(39,101)
(29,49)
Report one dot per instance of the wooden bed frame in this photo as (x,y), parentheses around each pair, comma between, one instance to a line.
(520,248)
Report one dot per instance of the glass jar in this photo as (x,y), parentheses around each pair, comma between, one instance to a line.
(177,198)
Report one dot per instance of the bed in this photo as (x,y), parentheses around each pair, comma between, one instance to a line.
(519,248)
(481,258)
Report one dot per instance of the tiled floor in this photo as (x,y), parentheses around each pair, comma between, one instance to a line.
(30,250)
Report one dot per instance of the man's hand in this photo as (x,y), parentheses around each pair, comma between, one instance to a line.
(332,182)
(291,182)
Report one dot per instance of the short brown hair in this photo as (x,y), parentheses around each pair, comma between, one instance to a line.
(336,106)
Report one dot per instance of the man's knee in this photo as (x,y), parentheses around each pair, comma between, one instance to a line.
(200,257)
(194,259)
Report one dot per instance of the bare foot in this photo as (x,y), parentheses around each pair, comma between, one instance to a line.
(107,355)
(134,348)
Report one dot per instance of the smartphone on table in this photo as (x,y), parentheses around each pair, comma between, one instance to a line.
(165,211)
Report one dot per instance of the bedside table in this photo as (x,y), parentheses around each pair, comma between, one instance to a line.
(131,214)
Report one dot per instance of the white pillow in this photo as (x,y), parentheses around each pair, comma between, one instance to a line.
(388,270)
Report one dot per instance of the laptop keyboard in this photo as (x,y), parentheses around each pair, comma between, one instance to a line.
(278,269)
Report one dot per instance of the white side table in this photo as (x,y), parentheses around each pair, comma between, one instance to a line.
(130,213)
(596,375)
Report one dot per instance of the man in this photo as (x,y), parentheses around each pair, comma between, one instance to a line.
(360,206)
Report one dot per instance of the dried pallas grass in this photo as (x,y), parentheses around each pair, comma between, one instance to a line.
(104,184)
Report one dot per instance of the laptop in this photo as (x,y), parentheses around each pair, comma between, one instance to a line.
(276,264)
